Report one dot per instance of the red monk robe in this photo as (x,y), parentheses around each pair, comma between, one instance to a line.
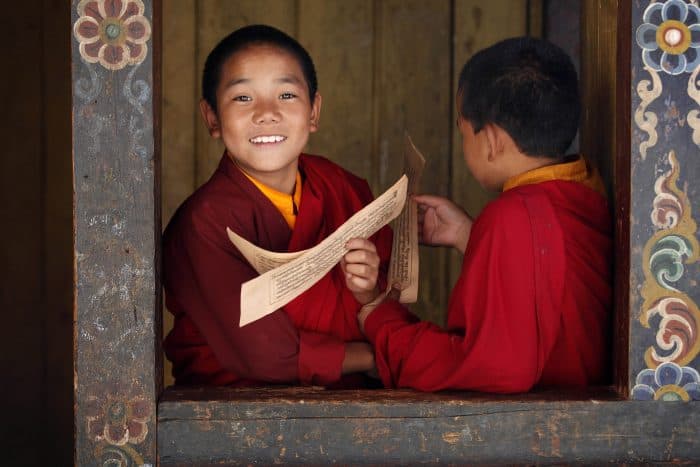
(203,274)
(531,305)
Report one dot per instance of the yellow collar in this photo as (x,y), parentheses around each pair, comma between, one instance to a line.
(575,171)
(286,204)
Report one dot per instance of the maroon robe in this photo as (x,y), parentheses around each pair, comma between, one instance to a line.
(531,306)
(203,274)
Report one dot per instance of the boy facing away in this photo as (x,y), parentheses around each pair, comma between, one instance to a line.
(532,302)
(260,97)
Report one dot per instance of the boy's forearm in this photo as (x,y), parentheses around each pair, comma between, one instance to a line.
(359,357)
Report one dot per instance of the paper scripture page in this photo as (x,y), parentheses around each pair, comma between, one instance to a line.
(277,287)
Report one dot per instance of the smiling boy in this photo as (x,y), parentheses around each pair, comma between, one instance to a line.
(260,98)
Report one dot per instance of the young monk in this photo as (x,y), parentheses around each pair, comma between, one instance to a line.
(260,97)
(531,305)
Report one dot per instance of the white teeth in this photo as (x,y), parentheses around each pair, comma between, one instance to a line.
(267,139)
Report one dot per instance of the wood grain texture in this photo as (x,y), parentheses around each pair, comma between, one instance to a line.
(413,95)
(599,72)
(180,118)
(622,192)
(340,39)
(306,425)
(117,378)
(180,103)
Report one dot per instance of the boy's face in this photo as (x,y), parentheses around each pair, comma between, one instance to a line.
(264,113)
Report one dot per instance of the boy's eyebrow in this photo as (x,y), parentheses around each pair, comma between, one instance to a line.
(235,81)
(288,79)
(291,79)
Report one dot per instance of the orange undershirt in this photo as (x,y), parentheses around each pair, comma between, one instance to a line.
(285,203)
(575,171)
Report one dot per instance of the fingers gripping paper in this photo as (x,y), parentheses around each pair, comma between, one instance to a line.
(284,276)
(277,287)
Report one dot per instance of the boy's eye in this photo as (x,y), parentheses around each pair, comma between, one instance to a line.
(242,98)
(287,95)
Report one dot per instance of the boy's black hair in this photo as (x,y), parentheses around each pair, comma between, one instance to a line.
(529,88)
(257,34)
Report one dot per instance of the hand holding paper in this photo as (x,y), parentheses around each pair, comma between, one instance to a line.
(442,223)
(361,268)
(284,276)
(277,287)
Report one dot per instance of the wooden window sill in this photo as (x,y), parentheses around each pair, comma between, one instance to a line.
(313,425)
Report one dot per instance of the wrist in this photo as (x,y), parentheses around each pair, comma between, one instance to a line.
(462,237)
(367,309)
(363,298)
(359,357)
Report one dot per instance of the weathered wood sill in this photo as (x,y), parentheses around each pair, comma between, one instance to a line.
(214,426)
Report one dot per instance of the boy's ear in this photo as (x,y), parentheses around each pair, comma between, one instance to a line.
(211,120)
(315,113)
(495,137)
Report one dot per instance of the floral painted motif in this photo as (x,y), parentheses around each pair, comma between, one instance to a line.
(693,117)
(668,209)
(668,382)
(118,416)
(670,37)
(677,332)
(645,119)
(666,260)
(667,309)
(112,32)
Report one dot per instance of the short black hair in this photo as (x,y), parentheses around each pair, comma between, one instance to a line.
(528,87)
(240,39)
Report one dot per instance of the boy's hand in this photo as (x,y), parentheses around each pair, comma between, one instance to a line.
(442,222)
(361,268)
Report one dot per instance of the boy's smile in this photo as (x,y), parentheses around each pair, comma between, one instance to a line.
(264,113)
(267,139)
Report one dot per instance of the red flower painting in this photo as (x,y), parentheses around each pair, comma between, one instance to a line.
(113,33)
(118,417)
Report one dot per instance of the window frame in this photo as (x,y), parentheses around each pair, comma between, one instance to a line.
(122,412)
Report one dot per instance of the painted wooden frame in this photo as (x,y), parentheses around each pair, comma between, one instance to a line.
(117,231)
(117,305)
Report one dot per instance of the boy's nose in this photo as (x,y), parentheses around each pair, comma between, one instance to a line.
(266,112)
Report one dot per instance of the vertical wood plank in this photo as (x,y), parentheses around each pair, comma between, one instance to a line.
(600,118)
(598,84)
(563,20)
(536,17)
(215,20)
(180,117)
(116,167)
(412,72)
(21,188)
(622,193)
(57,233)
(339,37)
(477,25)
(180,103)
